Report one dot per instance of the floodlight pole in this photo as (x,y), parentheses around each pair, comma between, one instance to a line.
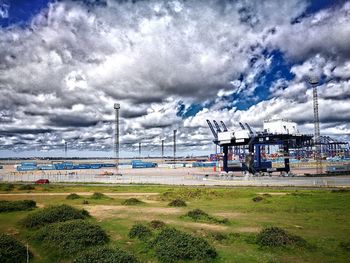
(116,108)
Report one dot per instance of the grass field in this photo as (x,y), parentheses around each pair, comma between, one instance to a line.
(321,217)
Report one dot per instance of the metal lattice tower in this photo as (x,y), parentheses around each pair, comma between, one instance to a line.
(317,143)
(116,108)
(65,149)
(162,149)
(175,147)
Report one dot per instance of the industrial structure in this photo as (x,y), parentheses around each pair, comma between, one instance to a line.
(251,144)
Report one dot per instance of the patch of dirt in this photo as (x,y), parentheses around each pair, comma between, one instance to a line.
(198,225)
(273,193)
(114,211)
(229,214)
(248,229)
(40,205)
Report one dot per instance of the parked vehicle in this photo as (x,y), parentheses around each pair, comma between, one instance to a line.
(42,181)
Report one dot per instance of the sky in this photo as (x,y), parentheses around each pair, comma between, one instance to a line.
(170,65)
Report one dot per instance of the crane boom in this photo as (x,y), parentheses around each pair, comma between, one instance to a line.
(217,126)
(212,129)
(224,125)
(240,124)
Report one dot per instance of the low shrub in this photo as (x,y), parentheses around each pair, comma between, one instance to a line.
(6,187)
(157,224)
(105,255)
(53,214)
(172,245)
(98,196)
(26,187)
(277,237)
(67,238)
(258,199)
(140,231)
(345,246)
(189,194)
(177,203)
(11,250)
(132,201)
(72,196)
(21,205)
(219,236)
(85,202)
(200,215)
(340,190)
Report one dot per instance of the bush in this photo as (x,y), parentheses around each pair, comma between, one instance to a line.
(6,187)
(277,237)
(140,231)
(157,224)
(200,215)
(22,205)
(26,187)
(219,236)
(70,237)
(11,250)
(72,196)
(172,245)
(189,194)
(345,246)
(53,214)
(132,201)
(258,199)
(340,190)
(105,255)
(177,203)
(98,196)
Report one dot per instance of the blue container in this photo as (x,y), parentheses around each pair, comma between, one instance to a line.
(26,168)
(96,165)
(28,164)
(108,165)
(46,167)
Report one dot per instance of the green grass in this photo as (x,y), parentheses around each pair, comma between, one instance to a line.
(321,217)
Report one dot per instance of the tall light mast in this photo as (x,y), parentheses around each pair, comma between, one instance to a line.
(317,139)
(116,108)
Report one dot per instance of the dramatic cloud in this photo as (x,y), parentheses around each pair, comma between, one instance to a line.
(171,65)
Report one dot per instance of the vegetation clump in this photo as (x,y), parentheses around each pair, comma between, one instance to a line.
(70,237)
(258,199)
(172,245)
(53,214)
(189,194)
(98,196)
(340,190)
(105,255)
(26,187)
(132,201)
(85,202)
(177,203)
(21,205)
(140,231)
(72,196)
(277,237)
(157,224)
(11,250)
(345,246)
(6,187)
(200,215)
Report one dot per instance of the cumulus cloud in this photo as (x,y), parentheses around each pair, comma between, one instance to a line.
(60,75)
